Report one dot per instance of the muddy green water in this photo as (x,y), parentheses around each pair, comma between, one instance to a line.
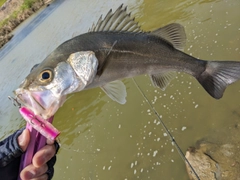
(104,140)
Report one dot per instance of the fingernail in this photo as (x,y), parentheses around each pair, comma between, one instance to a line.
(30,174)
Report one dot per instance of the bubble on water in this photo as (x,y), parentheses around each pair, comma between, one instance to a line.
(109,167)
(172,160)
(196,106)
(132,164)
(184,128)
(135,171)
(164,134)
(155,153)
(98,150)
(104,167)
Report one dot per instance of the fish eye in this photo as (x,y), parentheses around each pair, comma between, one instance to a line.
(46,75)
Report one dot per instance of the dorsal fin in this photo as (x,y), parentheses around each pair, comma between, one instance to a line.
(120,20)
(174,34)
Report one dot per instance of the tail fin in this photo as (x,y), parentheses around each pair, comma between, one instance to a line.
(218,75)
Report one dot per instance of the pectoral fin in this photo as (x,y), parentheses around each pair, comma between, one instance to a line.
(116,90)
(162,80)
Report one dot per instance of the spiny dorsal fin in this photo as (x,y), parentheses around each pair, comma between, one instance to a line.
(163,79)
(116,90)
(120,20)
(173,33)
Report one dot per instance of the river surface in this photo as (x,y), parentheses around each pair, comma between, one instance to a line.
(102,139)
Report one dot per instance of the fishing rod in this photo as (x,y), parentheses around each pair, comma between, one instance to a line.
(167,131)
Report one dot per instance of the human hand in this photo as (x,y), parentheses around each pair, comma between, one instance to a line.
(42,162)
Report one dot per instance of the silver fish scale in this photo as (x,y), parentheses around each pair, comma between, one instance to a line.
(85,66)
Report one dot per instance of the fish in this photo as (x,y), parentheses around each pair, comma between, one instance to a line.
(113,49)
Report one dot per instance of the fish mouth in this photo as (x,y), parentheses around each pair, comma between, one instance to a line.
(42,103)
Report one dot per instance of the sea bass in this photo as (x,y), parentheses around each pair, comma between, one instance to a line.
(113,49)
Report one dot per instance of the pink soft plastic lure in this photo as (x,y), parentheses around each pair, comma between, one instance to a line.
(43,126)
(40,130)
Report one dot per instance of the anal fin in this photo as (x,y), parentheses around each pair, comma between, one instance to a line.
(116,90)
(163,79)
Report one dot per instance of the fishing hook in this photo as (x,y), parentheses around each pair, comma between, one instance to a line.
(18,104)
(42,124)
(15,101)
(35,118)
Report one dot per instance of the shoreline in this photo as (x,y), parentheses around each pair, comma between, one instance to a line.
(13,13)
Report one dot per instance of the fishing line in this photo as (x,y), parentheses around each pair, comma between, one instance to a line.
(166,129)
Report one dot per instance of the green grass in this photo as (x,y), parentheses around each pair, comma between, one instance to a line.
(2,2)
(27,4)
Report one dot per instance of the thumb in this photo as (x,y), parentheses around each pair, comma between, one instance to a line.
(23,139)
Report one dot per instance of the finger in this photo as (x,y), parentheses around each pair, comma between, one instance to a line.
(43,155)
(49,141)
(42,177)
(31,172)
(24,139)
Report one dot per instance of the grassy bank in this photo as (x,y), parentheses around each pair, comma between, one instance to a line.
(22,12)
(26,5)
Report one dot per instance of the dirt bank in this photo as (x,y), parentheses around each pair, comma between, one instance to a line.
(13,12)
